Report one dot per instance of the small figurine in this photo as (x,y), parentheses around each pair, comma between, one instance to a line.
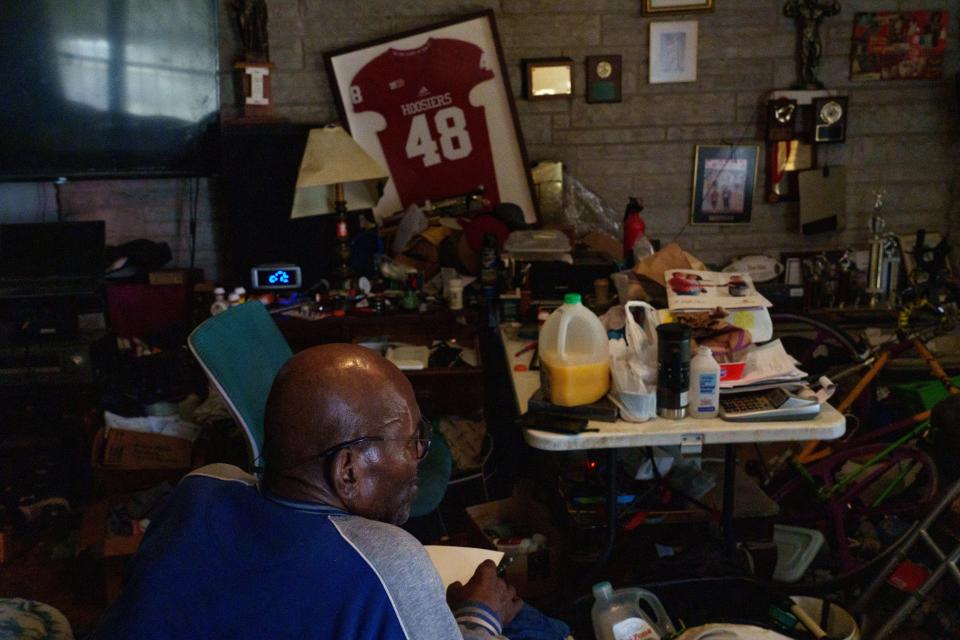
(252,21)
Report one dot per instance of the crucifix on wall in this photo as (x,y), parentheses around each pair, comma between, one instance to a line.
(808,15)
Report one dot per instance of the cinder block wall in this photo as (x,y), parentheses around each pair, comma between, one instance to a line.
(903,136)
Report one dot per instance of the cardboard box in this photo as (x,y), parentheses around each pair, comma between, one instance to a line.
(532,574)
(122,449)
(95,535)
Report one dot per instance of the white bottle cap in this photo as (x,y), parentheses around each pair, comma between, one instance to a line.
(219,291)
(602,590)
(240,291)
(704,350)
(233,297)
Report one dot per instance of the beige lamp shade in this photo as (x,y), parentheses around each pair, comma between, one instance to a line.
(332,157)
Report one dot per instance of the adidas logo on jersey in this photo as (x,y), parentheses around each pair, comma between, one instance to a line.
(423,92)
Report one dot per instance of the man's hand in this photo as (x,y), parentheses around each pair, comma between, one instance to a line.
(486,587)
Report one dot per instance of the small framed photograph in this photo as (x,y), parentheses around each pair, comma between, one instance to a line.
(654,7)
(434,107)
(673,51)
(723,180)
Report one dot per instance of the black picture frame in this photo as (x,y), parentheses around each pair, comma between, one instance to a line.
(724,180)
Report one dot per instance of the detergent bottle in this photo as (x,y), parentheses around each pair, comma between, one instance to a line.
(617,614)
(574,357)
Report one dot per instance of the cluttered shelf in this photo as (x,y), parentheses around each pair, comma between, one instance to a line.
(438,350)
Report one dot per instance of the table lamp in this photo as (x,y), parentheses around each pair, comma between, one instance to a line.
(336,176)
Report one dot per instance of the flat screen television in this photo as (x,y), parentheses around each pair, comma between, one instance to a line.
(108,88)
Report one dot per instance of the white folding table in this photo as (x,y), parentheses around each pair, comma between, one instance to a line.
(690,433)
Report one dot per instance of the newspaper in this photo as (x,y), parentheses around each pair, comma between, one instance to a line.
(688,289)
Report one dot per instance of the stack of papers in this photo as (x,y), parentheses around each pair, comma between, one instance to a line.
(767,365)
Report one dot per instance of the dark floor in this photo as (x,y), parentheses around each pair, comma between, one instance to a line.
(45,569)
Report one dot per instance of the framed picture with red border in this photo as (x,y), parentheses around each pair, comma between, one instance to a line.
(435,108)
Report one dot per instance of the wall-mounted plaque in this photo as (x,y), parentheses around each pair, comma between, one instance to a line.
(604,78)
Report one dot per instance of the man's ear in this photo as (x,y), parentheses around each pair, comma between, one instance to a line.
(346,472)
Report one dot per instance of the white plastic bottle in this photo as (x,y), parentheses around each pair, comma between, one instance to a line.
(574,355)
(456,294)
(617,614)
(642,248)
(704,385)
(219,301)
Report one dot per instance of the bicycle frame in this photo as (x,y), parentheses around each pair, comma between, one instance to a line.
(812,452)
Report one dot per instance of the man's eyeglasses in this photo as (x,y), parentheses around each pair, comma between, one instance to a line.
(419,443)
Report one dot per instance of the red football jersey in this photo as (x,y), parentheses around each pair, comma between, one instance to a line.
(435,142)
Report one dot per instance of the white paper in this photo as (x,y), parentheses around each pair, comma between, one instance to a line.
(412,223)
(689,289)
(409,358)
(768,362)
(457,564)
(163,425)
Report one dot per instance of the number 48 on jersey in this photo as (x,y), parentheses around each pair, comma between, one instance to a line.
(450,126)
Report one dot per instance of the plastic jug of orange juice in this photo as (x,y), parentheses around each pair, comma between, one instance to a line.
(574,357)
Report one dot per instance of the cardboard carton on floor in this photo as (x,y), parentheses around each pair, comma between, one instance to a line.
(123,449)
(532,574)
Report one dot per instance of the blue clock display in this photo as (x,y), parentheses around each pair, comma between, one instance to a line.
(279,277)
(266,277)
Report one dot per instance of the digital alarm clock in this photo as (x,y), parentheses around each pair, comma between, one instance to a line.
(272,277)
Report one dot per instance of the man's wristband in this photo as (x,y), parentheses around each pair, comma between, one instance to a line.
(477,615)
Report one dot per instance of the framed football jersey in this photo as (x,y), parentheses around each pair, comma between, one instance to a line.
(434,106)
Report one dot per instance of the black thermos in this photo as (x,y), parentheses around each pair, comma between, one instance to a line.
(673,369)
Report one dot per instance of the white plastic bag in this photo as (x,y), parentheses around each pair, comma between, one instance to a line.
(633,366)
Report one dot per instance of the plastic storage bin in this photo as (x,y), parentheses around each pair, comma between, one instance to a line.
(796,549)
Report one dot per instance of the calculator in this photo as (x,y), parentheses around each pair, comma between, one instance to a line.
(769,404)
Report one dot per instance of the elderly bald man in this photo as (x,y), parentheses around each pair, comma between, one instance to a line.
(312,551)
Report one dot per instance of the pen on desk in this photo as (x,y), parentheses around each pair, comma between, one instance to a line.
(505,562)
(527,347)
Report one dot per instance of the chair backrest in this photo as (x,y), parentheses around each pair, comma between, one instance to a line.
(241,350)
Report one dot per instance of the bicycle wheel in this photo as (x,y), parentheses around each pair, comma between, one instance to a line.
(849,515)
(819,346)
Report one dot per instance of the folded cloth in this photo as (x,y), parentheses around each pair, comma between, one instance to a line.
(532,624)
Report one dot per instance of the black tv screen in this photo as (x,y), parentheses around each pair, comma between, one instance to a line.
(108,88)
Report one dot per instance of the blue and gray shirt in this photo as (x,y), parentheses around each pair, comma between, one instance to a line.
(223,560)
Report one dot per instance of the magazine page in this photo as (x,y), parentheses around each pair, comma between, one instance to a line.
(690,289)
